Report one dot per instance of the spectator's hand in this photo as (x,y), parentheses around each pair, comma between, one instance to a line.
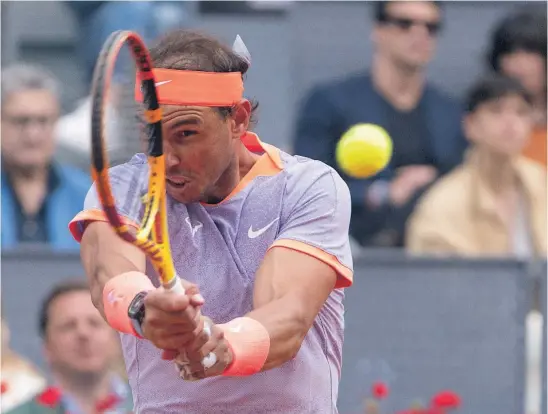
(173,321)
(408,181)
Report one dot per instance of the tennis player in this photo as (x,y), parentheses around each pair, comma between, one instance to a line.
(263,234)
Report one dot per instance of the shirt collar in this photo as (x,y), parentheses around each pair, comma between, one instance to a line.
(119,389)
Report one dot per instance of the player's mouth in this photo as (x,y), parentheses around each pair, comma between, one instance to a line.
(177,183)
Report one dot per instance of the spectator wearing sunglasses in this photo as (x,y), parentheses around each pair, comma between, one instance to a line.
(425,124)
(39,196)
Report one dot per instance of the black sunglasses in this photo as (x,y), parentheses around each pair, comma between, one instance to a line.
(406,24)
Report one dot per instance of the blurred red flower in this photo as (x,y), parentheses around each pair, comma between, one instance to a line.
(422,411)
(50,397)
(446,399)
(3,387)
(107,403)
(380,390)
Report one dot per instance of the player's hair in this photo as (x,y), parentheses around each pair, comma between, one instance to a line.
(380,9)
(21,77)
(60,289)
(524,31)
(191,50)
(492,87)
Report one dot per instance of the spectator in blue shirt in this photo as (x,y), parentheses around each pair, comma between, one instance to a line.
(39,196)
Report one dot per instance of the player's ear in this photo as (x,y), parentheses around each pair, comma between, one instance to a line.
(241,116)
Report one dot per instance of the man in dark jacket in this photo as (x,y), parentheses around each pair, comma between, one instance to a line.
(423,123)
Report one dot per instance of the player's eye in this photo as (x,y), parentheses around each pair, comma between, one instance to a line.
(180,135)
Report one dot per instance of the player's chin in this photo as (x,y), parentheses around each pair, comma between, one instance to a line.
(182,192)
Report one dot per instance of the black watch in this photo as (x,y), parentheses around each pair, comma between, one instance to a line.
(136,312)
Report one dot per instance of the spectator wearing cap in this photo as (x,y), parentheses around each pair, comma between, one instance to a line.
(518,49)
(494,204)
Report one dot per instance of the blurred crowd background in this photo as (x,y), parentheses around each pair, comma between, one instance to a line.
(459,86)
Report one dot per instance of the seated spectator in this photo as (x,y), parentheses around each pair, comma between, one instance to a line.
(494,204)
(39,196)
(20,379)
(80,350)
(425,125)
(518,49)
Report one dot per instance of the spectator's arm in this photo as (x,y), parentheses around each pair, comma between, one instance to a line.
(318,129)
(430,233)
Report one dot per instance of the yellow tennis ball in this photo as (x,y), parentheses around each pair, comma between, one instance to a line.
(364,150)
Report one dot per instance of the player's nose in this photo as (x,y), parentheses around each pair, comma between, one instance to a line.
(172,160)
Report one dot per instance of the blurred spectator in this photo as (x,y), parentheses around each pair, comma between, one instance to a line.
(494,204)
(80,350)
(518,49)
(97,20)
(20,379)
(423,123)
(39,196)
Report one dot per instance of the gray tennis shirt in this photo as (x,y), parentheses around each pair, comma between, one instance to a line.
(284,201)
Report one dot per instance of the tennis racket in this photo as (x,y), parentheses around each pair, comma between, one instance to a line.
(152,236)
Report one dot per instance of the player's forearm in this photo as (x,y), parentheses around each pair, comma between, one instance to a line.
(287,326)
(105,256)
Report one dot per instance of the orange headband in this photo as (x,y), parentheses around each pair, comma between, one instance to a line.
(185,87)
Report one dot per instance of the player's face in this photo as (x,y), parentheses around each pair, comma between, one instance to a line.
(528,68)
(409,35)
(200,147)
(28,122)
(78,340)
(501,126)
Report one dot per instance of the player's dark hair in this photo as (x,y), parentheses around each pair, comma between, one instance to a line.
(493,87)
(524,31)
(380,9)
(57,291)
(191,50)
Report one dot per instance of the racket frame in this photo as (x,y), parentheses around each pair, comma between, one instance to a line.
(152,236)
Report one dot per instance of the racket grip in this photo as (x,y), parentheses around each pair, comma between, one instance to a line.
(176,287)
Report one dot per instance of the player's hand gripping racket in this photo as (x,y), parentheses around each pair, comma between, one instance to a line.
(152,236)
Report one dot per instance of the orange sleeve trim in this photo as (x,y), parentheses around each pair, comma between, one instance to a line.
(345,275)
(79,223)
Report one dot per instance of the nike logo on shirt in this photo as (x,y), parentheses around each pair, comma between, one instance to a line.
(252,234)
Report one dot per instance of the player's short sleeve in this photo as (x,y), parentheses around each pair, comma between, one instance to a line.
(317,220)
(128,182)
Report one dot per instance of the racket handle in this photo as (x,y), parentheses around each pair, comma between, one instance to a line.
(176,286)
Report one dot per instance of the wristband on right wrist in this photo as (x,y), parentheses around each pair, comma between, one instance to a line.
(249,342)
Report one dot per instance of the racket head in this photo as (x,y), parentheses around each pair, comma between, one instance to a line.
(152,236)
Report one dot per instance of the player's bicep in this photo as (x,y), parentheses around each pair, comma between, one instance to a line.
(301,279)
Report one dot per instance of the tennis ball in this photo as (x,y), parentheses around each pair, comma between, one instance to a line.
(363,150)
